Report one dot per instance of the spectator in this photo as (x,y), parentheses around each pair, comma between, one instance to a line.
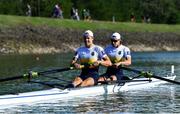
(28,13)
(76,15)
(143,18)
(132,17)
(57,12)
(61,12)
(148,19)
(84,14)
(113,19)
(88,16)
(73,11)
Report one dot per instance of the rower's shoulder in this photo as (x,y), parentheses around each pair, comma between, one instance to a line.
(98,47)
(108,46)
(125,48)
(80,48)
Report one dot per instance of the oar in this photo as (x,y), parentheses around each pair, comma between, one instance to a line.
(34,74)
(49,85)
(149,75)
(56,78)
(123,81)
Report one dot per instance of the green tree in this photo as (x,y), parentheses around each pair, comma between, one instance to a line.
(160,11)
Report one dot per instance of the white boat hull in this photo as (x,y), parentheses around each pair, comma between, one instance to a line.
(55,93)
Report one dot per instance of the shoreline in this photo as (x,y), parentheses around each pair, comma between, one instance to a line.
(26,39)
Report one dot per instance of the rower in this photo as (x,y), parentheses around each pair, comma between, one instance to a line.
(90,56)
(119,55)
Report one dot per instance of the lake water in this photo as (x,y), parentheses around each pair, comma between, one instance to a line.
(161,99)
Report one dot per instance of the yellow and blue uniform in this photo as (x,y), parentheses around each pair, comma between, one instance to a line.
(87,56)
(116,55)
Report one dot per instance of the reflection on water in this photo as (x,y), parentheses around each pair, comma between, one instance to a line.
(161,99)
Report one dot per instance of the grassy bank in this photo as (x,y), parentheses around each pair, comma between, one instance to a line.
(9,21)
(25,35)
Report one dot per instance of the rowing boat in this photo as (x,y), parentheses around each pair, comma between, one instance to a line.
(110,87)
(56,93)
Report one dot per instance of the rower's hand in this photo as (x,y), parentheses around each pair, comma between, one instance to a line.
(78,66)
(95,64)
(116,65)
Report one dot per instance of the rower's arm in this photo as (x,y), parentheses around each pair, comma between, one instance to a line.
(74,60)
(127,62)
(105,62)
(75,64)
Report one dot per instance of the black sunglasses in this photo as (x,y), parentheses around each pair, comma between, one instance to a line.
(114,40)
(85,37)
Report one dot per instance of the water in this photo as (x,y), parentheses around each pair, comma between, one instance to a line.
(162,99)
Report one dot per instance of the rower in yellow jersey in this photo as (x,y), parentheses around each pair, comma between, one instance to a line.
(119,55)
(90,56)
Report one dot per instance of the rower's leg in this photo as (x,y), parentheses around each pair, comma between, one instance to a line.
(101,79)
(77,81)
(88,82)
(113,78)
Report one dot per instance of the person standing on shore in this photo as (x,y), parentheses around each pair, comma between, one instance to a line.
(133,18)
(28,13)
(57,11)
(119,55)
(91,57)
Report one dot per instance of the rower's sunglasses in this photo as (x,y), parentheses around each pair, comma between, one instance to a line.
(86,37)
(114,40)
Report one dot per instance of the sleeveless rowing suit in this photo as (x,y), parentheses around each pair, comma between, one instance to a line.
(87,56)
(118,54)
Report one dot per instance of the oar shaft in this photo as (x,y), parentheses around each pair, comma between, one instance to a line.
(11,78)
(171,81)
(153,76)
(54,71)
(130,69)
(56,78)
(49,85)
(34,74)
(124,81)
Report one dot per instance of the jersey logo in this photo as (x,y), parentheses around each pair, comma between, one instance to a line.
(119,52)
(128,53)
(103,53)
(92,53)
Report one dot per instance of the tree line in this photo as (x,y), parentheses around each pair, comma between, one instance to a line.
(159,11)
